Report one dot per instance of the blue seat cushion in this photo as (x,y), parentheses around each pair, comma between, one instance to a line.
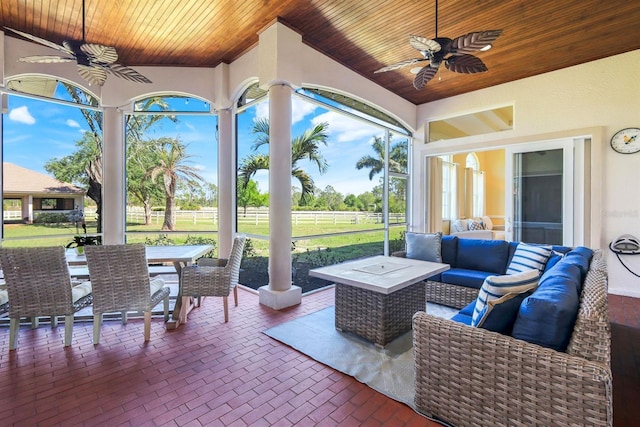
(462,317)
(483,255)
(449,250)
(463,277)
(436,278)
(548,315)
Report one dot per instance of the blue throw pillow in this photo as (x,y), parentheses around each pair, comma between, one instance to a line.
(529,257)
(497,290)
(425,247)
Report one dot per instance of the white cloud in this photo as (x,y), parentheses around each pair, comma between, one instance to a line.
(345,129)
(72,123)
(22,115)
(299,109)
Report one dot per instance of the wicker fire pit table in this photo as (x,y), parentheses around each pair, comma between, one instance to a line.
(376,297)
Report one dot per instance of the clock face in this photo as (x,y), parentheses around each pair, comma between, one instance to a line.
(626,141)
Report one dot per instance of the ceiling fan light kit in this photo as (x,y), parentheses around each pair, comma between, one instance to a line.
(93,60)
(454,53)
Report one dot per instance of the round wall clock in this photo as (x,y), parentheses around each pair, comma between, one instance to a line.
(626,141)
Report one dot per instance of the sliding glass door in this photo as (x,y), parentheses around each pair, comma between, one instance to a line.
(539,208)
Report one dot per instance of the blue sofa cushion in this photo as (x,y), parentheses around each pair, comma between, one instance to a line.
(580,257)
(548,315)
(463,277)
(424,246)
(553,260)
(449,250)
(567,271)
(483,255)
(529,257)
(499,290)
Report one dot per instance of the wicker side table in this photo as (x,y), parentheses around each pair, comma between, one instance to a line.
(377,317)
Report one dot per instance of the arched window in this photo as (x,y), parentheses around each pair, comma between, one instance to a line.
(171,171)
(349,174)
(52,133)
(474,187)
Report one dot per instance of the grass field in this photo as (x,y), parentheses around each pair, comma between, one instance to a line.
(331,243)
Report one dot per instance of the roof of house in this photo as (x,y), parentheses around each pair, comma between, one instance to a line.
(18,180)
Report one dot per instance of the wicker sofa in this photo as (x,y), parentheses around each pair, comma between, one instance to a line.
(474,377)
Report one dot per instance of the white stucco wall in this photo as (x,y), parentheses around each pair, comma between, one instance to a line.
(597,99)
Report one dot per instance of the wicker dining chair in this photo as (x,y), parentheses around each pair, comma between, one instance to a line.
(120,278)
(207,279)
(38,284)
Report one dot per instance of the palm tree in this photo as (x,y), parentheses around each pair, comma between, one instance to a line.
(172,166)
(305,146)
(397,158)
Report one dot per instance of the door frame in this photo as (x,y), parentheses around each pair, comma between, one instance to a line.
(572,166)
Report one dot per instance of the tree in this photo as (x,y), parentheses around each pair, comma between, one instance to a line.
(305,146)
(397,158)
(172,166)
(250,196)
(142,155)
(84,166)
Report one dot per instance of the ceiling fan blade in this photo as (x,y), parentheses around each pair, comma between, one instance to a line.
(127,73)
(466,64)
(423,77)
(424,44)
(43,42)
(474,42)
(399,65)
(46,59)
(100,53)
(94,75)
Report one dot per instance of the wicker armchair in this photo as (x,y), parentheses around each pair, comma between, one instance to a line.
(471,376)
(38,284)
(120,278)
(207,280)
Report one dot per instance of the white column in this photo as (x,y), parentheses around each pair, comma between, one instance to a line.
(280,293)
(113,177)
(226,186)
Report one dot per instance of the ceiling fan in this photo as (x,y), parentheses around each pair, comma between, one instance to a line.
(94,61)
(454,53)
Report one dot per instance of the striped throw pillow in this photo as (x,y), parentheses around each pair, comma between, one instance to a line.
(499,289)
(529,257)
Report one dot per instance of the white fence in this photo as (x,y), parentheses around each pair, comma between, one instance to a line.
(261,216)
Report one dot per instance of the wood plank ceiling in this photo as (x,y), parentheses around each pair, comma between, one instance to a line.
(364,35)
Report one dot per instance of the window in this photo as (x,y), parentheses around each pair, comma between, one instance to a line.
(51,133)
(449,188)
(349,178)
(475,186)
(171,171)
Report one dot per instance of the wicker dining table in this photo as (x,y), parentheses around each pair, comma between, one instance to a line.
(178,255)
(376,297)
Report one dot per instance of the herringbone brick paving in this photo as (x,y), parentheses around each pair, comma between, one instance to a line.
(211,373)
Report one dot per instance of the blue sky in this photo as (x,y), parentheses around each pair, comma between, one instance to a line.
(36,131)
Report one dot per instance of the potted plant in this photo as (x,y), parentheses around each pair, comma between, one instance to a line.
(80,241)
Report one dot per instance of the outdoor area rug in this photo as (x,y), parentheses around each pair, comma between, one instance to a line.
(388,370)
